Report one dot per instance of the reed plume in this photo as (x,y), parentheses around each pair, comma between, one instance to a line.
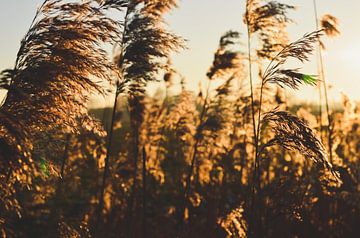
(269,20)
(59,64)
(294,134)
(330,26)
(57,60)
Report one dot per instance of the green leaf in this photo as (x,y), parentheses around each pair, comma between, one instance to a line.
(44,168)
(309,79)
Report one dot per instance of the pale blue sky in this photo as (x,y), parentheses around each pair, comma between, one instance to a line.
(202,22)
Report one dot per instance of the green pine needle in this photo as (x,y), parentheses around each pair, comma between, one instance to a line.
(309,79)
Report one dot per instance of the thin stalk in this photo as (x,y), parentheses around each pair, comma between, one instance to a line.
(252,93)
(195,147)
(144,223)
(252,98)
(135,181)
(107,158)
(258,134)
(329,127)
(104,118)
(161,133)
(244,152)
(320,109)
(110,137)
(330,142)
(65,156)
(255,162)
(193,161)
(55,210)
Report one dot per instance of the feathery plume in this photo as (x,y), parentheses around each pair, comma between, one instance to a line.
(227,58)
(330,26)
(294,134)
(300,50)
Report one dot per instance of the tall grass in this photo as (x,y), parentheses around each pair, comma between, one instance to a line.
(54,72)
(234,161)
